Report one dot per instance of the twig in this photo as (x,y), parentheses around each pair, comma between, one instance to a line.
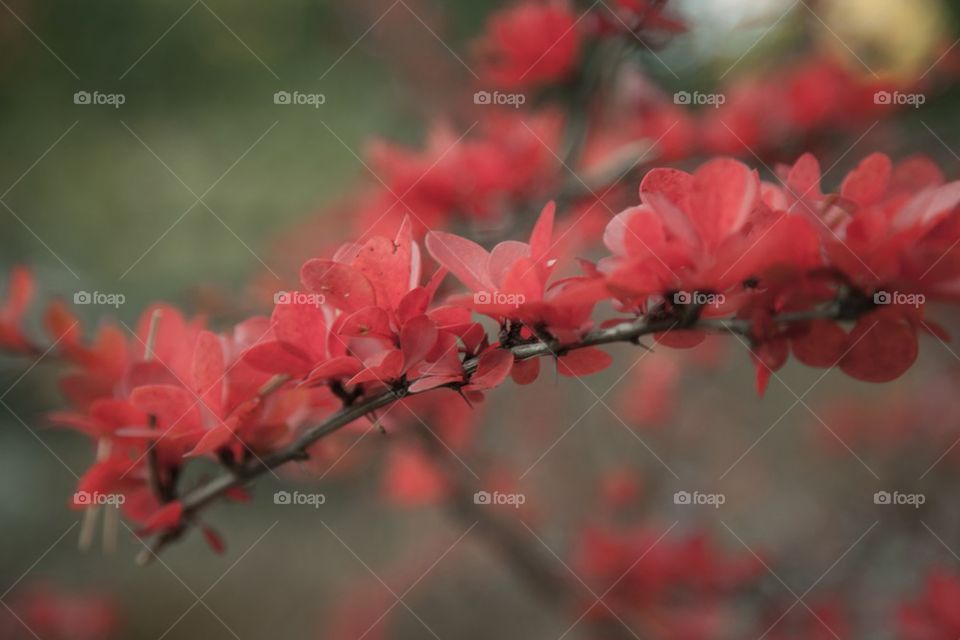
(629,332)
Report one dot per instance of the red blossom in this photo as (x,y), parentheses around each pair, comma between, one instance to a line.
(512,280)
(20,290)
(530,44)
(933,614)
(703,232)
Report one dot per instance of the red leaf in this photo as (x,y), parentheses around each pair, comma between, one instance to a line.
(214,540)
(432,382)
(382,367)
(882,349)
(334,368)
(208,370)
(165,518)
(804,177)
(822,345)
(724,193)
(341,285)
(542,233)
(463,258)
(278,358)
(302,325)
(116,474)
(173,407)
(20,290)
(680,338)
(637,231)
(928,207)
(113,413)
(416,340)
(415,303)
(868,182)
(502,259)
(62,326)
(216,438)
(387,265)
(369,321)
(762,378)
(492,369)
(411,478)
(769,356)
(674,184)
(76,421)
(525,371)
(583,362)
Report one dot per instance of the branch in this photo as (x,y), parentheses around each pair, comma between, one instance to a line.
(629,332)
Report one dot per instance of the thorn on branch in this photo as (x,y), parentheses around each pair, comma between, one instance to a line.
(347,397)
(227,458)
(459,390)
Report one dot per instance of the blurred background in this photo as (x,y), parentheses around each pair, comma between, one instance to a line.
(180,193)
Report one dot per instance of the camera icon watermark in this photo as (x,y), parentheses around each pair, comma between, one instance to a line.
(98,298)
(698,298)
(899,99)
(899,298)
(299,297)
(96,98)
(515,100)
(96,499)
(497,498)
(297,498)
(698,98)
(897,498)
(488,298)
(298,98)
(698,498)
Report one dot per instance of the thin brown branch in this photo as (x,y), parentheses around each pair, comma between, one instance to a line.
(629,332)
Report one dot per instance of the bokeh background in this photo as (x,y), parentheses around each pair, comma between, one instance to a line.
(181,193)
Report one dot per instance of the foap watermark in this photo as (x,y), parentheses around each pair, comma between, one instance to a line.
(299,98)
(498,498)
(915,300)
(899,98)
(515,100)
(95,498)
(498,298)
(698,298)
(897,498)
(298,297)
(97,98)
(99,298)
(297,498)
(698,98)
(698,498)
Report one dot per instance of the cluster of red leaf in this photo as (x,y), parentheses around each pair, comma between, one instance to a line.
(887,240)
(920,418)
(506,159)
(43,611)
(933,615)
(838,278)
(717,243)
(511,157)
(533,44)
(678,588)
(799,106)
(505,162)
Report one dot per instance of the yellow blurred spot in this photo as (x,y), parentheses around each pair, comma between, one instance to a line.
(897,40)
